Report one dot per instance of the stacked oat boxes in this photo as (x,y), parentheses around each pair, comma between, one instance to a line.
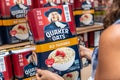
(14,25)
(84,12)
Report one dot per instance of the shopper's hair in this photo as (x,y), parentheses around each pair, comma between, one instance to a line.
(112,14)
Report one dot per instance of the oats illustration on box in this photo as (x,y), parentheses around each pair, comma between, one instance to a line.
(61,58)
(71,76)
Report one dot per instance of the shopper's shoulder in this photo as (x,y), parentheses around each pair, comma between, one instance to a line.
(112,32)
(113,29)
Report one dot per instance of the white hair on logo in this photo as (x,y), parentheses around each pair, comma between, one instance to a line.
(50,0)
(15,1)
(50,17)
(29,59)
(65,0)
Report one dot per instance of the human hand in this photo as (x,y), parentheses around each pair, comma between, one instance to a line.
(85,52)
(47,75)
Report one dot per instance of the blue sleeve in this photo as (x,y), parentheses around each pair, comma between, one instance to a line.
(94,61)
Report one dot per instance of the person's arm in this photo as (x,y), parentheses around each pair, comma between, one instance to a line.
(47,75)
(109,54)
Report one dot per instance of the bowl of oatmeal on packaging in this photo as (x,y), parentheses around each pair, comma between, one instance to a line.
(62,58)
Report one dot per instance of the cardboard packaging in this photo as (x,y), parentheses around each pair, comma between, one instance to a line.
(46,3)
(0,15)
(13,9)
(83,39)
(6,72)
(15,28)
(91,36)
(24,65)
(84,12)
(83,4)
(0,26)
(99,16)
(60,56)
(1,41)
(47,27)
(68,2)
(55,37)
(84,17)
(96,38)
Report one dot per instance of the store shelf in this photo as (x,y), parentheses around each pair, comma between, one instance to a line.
(86,29)
(80,30)
(8,46)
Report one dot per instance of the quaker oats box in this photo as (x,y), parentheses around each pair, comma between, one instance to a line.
(77,4)
(84,17)
(74,75)
(15,26)
(84,4)
(1,41)
(16,33)
(5,66)
(83,39)
(24,63)
(15,8)
(99,16)
(60,56)
(0,16)
(46,3)
(91,37)
(0,26)
(68,2)
(52,23)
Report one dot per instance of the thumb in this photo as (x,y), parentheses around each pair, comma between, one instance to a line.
(39,71)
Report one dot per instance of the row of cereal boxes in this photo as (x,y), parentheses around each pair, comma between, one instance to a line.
(21,63)
(14,27)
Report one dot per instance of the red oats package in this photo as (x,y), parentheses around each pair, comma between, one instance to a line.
(84,17)
(0,15)
(15,28)
(54,34)
(68,2)
(0,27)
(52,23)
(77,4)
(6,72)
(84,4)
(15,8)
(46,3)
(1,41)
(91,38)
(83,39)
(24,63)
